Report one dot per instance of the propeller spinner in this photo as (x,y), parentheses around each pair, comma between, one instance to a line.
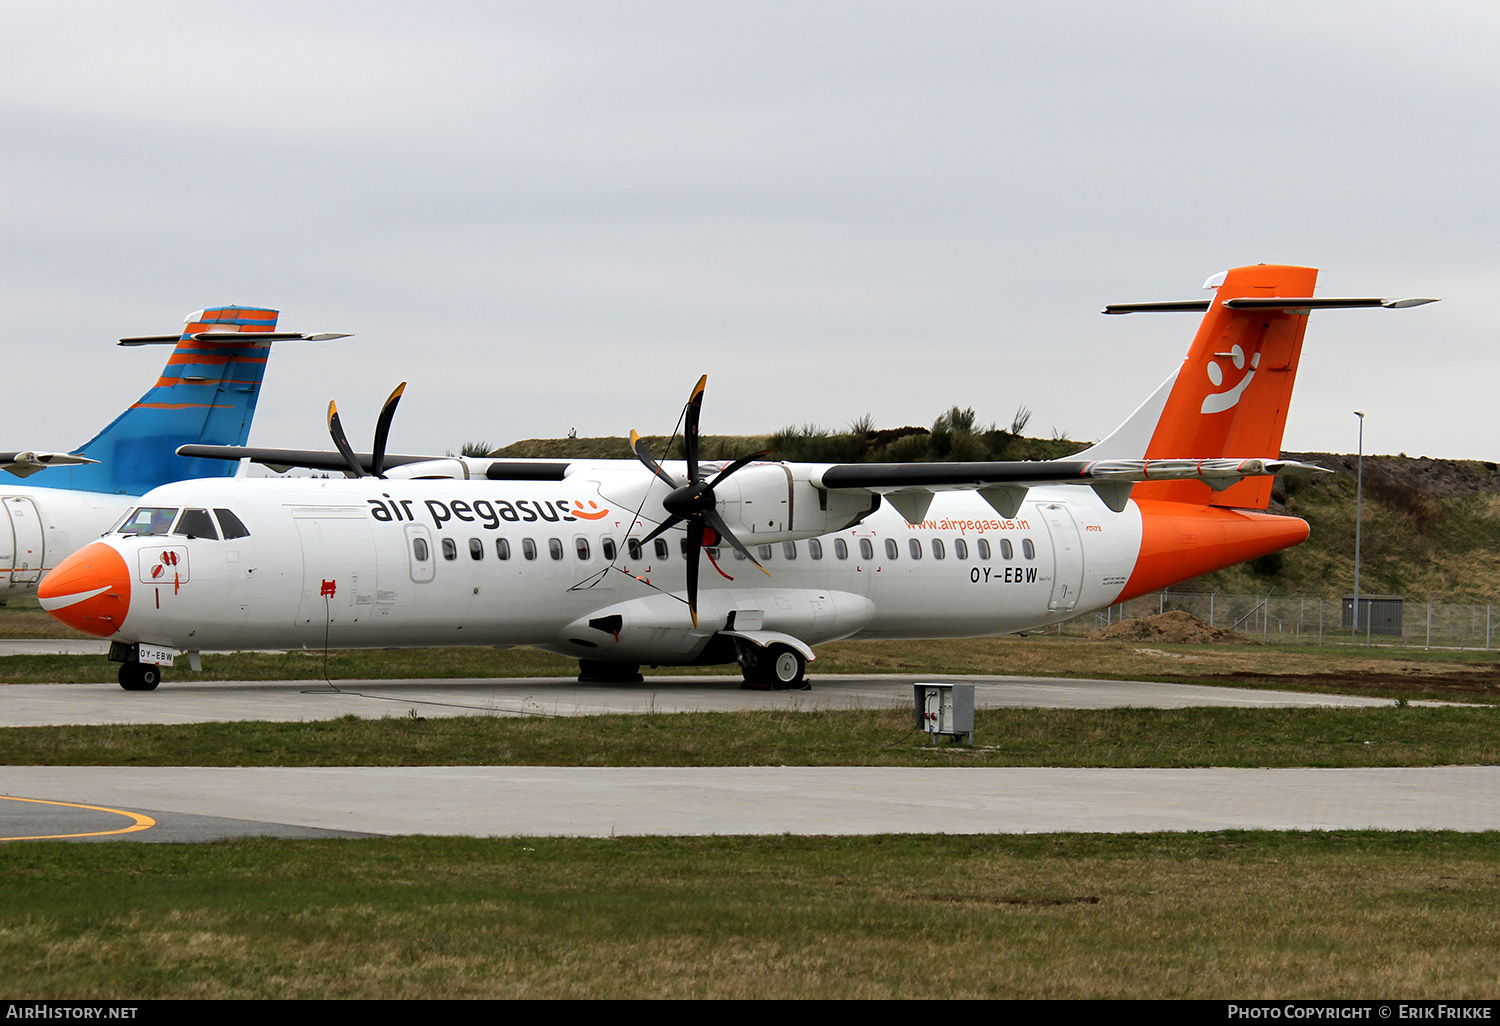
(382,430)
(693,502)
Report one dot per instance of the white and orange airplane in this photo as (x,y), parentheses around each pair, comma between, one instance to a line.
(574,556)
(206,394)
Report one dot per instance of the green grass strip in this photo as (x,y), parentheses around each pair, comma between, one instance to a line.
(1390,736)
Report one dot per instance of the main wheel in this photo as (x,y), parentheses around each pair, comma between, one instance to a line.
(139,676)
(785,666)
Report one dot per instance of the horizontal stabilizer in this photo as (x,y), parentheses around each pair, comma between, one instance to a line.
(234,336)
(24,464)
(1257,303)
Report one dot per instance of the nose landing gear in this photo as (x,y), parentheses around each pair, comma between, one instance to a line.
(139,676)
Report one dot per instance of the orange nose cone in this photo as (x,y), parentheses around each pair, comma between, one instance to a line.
(89,591)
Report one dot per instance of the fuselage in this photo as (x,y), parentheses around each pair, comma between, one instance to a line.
(39,527)
(558,565)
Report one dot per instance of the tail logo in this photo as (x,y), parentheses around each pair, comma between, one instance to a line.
(1218,402)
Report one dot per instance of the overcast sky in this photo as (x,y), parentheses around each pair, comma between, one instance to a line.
(557,215)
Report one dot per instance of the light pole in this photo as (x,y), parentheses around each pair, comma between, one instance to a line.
(1359,504)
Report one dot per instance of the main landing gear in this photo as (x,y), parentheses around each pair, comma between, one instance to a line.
(773,668)
(139,676)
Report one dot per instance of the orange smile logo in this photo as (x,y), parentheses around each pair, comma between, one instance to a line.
(592,513)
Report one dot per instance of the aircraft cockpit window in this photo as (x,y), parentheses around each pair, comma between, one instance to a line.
(1028,549)
(582,545)
(840,549)
(814,549)
(662,552)
(984,548)
(960,549)
(450,549)
(528,548)
(789,550)
(555,548)
(231,524)
(196,523)
(149,520)
(476,548)
(915,546)
(892,550)
(502,548)
(633,546)
(938,552)
(1007,551)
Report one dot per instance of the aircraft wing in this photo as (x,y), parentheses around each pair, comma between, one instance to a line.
(1003,484)
(282,460)
(24,464)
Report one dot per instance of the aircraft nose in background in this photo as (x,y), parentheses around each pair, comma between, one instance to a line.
(89,591)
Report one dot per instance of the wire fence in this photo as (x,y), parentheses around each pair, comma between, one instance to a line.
(1317,620)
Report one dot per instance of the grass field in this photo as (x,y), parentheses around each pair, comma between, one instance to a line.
(1006,737)
(1245,915)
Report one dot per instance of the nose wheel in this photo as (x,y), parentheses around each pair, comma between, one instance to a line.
(139,676)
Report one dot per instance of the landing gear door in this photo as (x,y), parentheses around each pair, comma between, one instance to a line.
(1067,551)
(26,527)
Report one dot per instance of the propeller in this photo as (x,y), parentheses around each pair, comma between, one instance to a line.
(382,431)
(692,502)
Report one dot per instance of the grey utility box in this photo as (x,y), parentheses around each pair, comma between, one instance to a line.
(945,709)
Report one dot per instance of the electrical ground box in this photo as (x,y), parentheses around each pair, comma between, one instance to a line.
(945,709)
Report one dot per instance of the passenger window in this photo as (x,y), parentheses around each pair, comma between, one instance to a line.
(739,555)
(150,520)
(840,549)
(419,549)
(633,546)
(1007,553)
(937,549)
(196,523)
(450,549)
(608,546)
(555,548)
(892,551)
(814,548)
(763,551)
(231,525)
(662,552)
(789,550)
(960,549)
(528,548)
(915,548)
(476,548)
(1028,549)
(502,548)
(866,549)
(984,548)
(582,545)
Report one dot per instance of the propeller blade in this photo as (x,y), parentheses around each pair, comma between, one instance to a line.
(695,555)
(690,428)
(341,441)
(382,429)
(662,528)
(638,446)
(737,464)
(717,523)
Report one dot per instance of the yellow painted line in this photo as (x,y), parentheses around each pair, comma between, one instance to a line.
(141,822)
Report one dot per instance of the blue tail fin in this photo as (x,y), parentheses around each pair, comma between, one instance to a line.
(206,394)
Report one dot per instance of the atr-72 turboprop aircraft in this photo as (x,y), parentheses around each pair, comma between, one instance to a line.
(205,394)
(574,556)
